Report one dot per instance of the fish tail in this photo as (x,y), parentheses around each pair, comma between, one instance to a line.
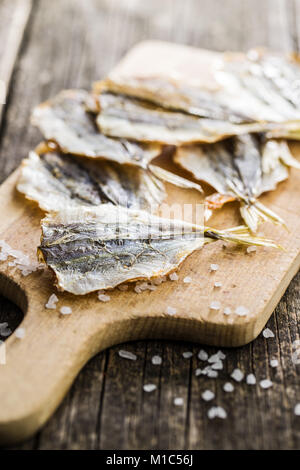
(240,235)
(256,212)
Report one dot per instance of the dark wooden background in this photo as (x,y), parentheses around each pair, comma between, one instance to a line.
(49,45)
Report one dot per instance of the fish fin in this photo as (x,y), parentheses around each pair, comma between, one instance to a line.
(240,235)
(217,200)
(256,212)
(286,156)
(174,179)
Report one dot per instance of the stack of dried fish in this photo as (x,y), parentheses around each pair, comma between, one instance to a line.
(95,178)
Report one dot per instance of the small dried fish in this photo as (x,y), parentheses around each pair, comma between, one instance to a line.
(259,89)
(56,181)
(65,121)
(240,168)
(100,248)
(131,118)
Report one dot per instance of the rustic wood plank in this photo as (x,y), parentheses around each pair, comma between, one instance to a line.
(14,18)
(115,412)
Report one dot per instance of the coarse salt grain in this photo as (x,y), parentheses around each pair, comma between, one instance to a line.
(237,375)
(202,355)
(65,310)
(187,280)
(216,357)
(103,297)
(187,354)
(218,284)
(20,333)
(274,363)
(215,305)
(208,395)
(228,387)
(217,365)
(251,379)
(266,383)
(212,374)
(198,372)
(171,311)
(149,387)
(227,311)
(251,249)
(173,277)
(217,412)
(52,301)
(178,401)
(214,267)
(156,360)
(4,329)
(127,355)
(267,333)
(241,311)
(297,409)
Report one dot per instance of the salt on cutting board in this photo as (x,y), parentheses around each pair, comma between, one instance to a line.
(227,306)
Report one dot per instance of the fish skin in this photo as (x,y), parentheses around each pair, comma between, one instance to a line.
(100,248)
(65,121)
(131,118)
(242,168)
(263,83)
(56,180)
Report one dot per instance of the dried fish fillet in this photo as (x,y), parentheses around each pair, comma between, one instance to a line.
(65,121)
(131,118)
(258,87)
(100,248)
(240,168)
(56,181)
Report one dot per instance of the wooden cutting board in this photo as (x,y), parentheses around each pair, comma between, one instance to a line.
(41,367)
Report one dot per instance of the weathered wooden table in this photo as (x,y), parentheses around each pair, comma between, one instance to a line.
(46,46)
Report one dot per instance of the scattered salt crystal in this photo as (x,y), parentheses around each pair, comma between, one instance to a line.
(241,311)
(227,311)
(202,355)
(65,310)
(20,333)
(158,280)
(208,395)
(228,387)
(218,284)
(173,277)
(103,297)
(187,354)
(217,365)
(297,409)
(237,375)
(156,360)
(212,374)
(273,363)
(267,333)
(251,249)
(149,388)
(216,357)
(214,267)
(51,304)
(250,379)
(217,412)
(137,289)
(4,329)
(170,310)
(266,383)
(123,287)
(178,401)
(215,305)
(127,355)
(187,280)
(199,372)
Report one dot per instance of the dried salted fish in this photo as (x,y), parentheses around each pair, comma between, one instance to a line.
(100,248)
(56,180)
(131,118)
(259,87)
(65,121)
(240,168)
